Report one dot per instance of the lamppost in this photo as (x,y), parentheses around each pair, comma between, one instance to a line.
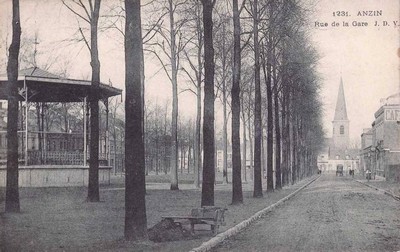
(373,163)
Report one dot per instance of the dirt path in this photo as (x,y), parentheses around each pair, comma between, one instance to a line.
(332,214)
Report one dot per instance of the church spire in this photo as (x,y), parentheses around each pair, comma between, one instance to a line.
(340,111)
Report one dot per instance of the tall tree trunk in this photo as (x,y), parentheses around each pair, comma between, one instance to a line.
(294,147)
(197,151)
(251,145)
(225,135)
(225,116)
(278,173)
(288,138)
(93,187)
(257,191)
(189,157)
(284,137)
(143,96)
(289,149)
(12,191)
(174,122)
(197,147)
(182,158)
(237,194)
(269,164)
(244,149)
(270,124)
(135,203)
(207,192)
(244,138)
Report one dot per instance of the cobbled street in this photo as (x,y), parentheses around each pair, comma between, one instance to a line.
(331,214)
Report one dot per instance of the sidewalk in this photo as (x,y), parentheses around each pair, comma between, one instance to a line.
(59,219)
(379,183)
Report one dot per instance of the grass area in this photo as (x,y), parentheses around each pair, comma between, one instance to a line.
(183,178)
(59,219)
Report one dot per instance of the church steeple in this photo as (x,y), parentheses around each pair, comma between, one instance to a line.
(341,123)
(340,111)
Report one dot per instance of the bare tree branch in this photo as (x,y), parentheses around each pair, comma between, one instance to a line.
(161,61)
(84,38)
(76,13)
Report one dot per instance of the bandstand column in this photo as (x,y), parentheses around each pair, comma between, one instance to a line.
(107,143)
(84,132)
(44,137)
(26,122)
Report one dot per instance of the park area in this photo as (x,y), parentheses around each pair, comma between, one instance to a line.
(60,219)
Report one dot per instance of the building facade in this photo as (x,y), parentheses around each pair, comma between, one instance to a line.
(365,152)
(383,154)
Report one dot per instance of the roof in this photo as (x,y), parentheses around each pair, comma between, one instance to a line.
(342,153)
(44,86)
(341,111)
(34,72)
(391,100)
(37,72)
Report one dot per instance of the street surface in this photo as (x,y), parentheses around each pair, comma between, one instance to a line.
(331,214)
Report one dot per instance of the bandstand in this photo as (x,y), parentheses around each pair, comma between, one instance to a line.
(61,158)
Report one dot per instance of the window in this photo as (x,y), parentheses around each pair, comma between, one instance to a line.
(33,143)
(341,129)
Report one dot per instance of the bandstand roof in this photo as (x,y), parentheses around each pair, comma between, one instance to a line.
(47,87)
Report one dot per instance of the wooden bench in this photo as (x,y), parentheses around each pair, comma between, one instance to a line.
(210,215)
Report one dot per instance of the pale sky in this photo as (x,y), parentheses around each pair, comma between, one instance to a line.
(365,57)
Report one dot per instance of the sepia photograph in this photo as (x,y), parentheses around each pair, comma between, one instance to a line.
(199,125)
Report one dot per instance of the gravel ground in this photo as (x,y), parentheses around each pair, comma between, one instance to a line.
(332,214)
(59,219)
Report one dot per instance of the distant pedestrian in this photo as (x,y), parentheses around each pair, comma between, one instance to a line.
(351,172)
(368,173)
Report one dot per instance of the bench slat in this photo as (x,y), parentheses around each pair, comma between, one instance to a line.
(213,216)
(188,217)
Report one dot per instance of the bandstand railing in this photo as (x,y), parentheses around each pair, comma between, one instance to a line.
(36,157)
(55,158)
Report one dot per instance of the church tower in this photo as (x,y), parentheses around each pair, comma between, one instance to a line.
(340,122)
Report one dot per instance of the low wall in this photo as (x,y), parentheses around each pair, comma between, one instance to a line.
(55,175)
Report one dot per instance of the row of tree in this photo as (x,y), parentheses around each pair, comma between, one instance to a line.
(278,53)
(256,54)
